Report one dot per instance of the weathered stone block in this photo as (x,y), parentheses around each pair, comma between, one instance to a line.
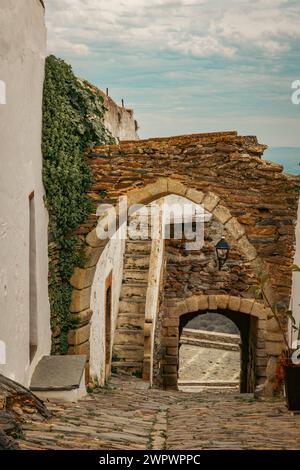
(170,369)
(170,380)
(262,362)
(173,331)
(274,348)
(82,349)
(93,240)
(134,197)
(262,324)
(171,322)
(258,310)
(170,342)
(92,256)
(272,325)
(210,202)
(176,187)
(246,248)
(234,303)
(270,336)
(212,302)
(222,214)
(79,336)
(195,195)
(172,351)
(235,229)
(222,301)
(192,304)
(80,300)
(154,190)
(203,302)
(82,278)
(82,318)
(261,371)
(171,360)
(246,305)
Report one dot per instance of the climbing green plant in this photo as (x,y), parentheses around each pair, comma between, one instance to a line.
(73,118)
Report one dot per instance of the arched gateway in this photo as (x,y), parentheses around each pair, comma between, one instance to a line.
(251,200)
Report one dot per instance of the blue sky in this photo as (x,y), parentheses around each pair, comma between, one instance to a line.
(188,65)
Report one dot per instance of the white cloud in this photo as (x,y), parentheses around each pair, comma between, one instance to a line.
(144,50)
(193,27)
(67,47)
(198,28)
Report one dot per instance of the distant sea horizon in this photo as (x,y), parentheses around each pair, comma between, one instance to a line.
(289,157)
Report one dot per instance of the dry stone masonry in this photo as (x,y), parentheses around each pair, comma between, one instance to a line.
(251,200)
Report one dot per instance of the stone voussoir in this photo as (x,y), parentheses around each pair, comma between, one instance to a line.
(79,336)
(82,277)
(80,300)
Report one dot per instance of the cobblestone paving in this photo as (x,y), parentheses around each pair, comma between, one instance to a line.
(129,416)
(207,364)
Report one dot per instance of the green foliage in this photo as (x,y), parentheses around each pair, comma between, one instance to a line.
(72,122)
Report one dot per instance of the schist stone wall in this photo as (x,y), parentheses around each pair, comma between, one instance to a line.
(252,199)
(197,272)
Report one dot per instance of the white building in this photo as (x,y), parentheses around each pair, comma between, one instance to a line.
(24,306)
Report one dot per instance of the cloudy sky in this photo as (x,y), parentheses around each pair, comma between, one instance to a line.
(188,65)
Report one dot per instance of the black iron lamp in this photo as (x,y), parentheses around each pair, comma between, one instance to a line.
(222,249)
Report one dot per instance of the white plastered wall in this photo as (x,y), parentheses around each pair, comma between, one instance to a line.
(111,260)
(296,281)
(22,56)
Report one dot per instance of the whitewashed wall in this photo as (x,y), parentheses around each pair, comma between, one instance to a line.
(296,280)
(22,54)
(111,260)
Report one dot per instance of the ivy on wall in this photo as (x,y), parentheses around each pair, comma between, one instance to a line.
(72,122)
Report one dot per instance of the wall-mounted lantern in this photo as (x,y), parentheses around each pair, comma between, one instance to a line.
(222,249)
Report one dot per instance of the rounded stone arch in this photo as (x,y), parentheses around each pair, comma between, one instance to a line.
(261,342)
(82,278)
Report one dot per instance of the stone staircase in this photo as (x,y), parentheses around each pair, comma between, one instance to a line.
(128,350)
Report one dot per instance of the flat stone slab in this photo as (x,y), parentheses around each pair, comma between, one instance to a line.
(54,373)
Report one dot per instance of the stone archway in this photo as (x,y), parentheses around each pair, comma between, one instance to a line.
(83,278)
(209,169)
(261,343)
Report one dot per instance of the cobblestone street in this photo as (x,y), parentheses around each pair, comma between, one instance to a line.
(208,365)
(128,416)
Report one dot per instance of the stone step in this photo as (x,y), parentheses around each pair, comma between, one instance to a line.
(209,383)
(129,352)
(127,364)
(60,378)
(134,290)
(128,306)
(128,367)
(135,275)
(135,282)
(136,262)
(130,321)
(202,343)
(138,246)
(142,236)
(129,336)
